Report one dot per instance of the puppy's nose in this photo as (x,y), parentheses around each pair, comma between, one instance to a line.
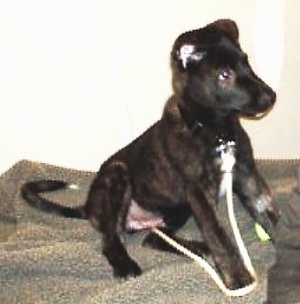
(268,98)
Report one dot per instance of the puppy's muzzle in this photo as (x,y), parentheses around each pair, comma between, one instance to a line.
(268,99)
(266,102)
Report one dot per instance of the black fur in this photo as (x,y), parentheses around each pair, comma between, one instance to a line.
(172,171)
(30,189)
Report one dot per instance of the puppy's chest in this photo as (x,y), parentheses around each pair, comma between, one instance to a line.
(212,176)
(207,159)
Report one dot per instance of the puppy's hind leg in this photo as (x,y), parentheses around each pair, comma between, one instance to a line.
(106,207)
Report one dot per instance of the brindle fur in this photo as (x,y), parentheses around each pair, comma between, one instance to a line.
(172,171)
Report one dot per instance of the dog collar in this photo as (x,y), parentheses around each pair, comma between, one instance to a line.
(222,143)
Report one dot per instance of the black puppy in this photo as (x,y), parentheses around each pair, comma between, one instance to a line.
(172,171)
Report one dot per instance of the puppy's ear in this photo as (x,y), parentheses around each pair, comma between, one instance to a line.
(188,54)
(228,26)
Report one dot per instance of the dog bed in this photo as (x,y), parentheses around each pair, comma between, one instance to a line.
(48,259)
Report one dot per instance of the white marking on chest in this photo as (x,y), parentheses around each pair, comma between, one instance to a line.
(226,154)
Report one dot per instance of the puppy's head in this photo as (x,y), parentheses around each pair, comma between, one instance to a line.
(211,70)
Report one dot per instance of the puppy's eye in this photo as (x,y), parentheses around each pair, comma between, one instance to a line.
(225,74)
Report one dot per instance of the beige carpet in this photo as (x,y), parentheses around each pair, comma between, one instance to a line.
(47,259)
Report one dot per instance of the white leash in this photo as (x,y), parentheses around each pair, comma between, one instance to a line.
(226,151)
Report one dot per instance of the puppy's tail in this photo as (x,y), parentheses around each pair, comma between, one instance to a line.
(31,193)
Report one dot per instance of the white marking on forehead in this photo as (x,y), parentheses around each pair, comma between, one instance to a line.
(226,151)
(188,53)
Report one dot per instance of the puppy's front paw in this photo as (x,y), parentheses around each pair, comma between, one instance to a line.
(127,269)
(239,279)
(267,214)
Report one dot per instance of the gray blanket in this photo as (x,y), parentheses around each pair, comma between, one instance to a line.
(48,259)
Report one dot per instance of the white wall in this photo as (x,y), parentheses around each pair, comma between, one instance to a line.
(80,79)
